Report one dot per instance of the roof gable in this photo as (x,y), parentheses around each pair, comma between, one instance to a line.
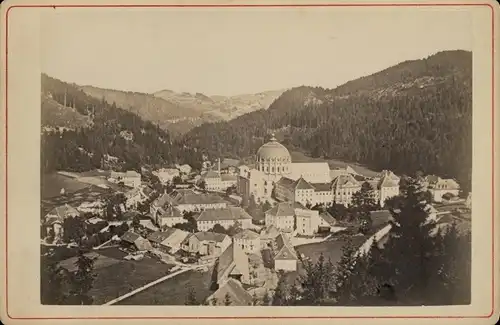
(302,184)
(237,294)
(286,253)
(230,213)
(233,258)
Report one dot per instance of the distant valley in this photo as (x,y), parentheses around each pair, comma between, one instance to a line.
(180,112)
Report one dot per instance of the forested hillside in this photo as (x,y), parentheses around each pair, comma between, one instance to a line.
(170,116)
(113,131)
(415,116)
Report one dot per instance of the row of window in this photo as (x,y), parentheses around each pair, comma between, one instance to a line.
(272,169)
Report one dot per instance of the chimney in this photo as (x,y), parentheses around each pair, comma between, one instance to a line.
(218,165)
(65,91)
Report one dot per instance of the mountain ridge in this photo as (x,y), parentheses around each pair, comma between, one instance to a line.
(419,110)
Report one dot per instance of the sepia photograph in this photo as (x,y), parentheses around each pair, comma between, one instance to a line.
(258,156)
(314,172)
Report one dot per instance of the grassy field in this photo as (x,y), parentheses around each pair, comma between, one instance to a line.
(331,249)
(125,276)
(173,291)
(51,185)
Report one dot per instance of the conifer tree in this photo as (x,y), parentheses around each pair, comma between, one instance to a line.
(255,299)
(266,300)
(410,245)
(52,282)
(316,285)
(280,296)
(191,297)
(227,300)
(82,281)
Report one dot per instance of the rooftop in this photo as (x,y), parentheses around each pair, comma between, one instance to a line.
(283,209)
(246,234)
(229,213)
(232,261)
(237,294)
(210,236)
(322,187)
(328,218)
(283,249)
(130,237)
(179,197)
(160,236)
(343,181)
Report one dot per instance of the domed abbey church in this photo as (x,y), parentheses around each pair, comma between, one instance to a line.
(276,176)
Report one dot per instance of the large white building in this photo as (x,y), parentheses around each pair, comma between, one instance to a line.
(307,183)
(439,187)
(273,162)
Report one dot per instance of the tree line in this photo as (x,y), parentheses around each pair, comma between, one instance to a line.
(415,266)
(416,116)
(83,149)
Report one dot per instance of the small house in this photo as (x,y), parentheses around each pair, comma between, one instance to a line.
(232,264)
(230,293)
(284,254)
(132,240)
(248,240)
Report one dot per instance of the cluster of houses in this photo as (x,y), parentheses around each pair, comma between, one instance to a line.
(275,177)
(290,186)
(167,175)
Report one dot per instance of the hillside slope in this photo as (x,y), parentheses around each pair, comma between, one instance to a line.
(154,109)
(415,116)
(55,115)
(112,131)
(222,107)
(180,112)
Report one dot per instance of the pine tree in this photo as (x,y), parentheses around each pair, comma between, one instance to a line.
(316,284)
(82,280)
(266,300)
(362,203)
(227,300)
(191,297)
(410,245)
(280,296)
(52,282)
(255,299)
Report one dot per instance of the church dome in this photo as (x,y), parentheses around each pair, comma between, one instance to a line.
(273,150)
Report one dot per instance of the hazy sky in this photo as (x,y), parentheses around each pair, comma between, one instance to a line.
(237,51)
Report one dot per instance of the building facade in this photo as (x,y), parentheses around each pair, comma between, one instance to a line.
(438,187)
(248,240)
(282,215)
(207,243)
(218,182)
(285,258)
(226,217)
(273,162)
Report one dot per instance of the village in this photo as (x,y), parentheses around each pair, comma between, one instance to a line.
(226,233)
